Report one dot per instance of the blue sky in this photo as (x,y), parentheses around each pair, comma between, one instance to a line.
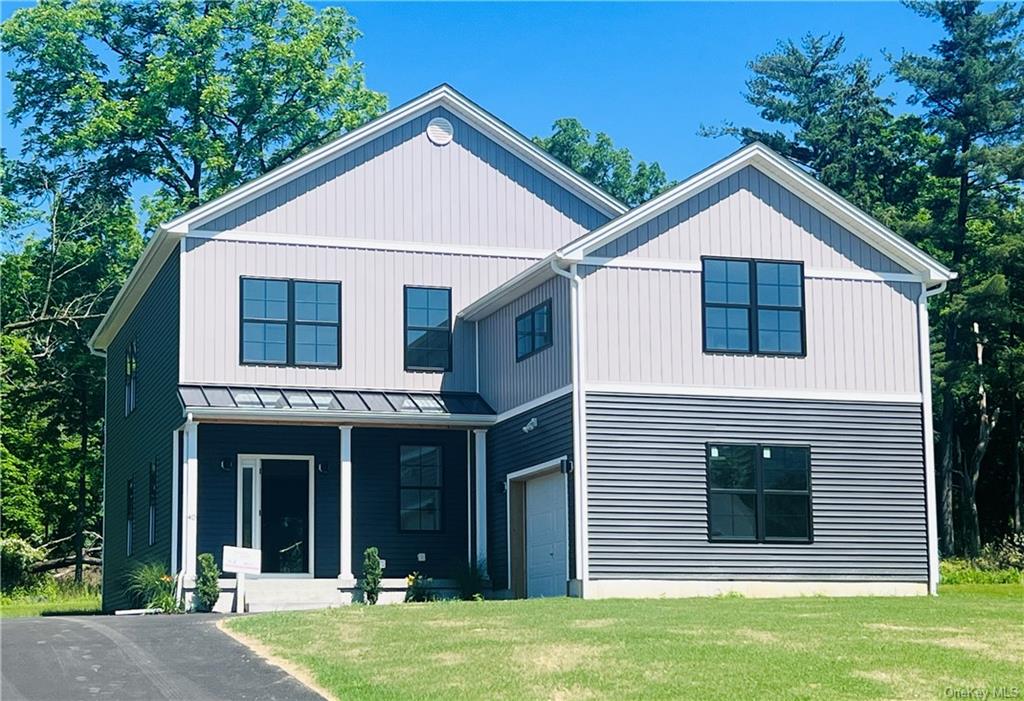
(647,74)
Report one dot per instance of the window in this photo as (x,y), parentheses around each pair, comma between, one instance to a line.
(131,367)
(768,321)
(428,335)
(420,480)
(152,503)
(291,322)
(533,330)
(759,493)
(130,511)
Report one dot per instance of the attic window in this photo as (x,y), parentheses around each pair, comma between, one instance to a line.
(440,131)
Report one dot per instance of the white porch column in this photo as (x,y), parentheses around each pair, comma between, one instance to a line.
(480,441)
(345,482)
(191,499)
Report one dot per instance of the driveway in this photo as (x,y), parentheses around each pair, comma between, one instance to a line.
(134,657)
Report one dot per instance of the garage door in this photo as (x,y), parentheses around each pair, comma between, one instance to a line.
(546,536)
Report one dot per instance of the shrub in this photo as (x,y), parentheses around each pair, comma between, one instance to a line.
(416,588)
(372,575)
(16,557)
(150,586)
(207,586)
(1006,553)
(964,571)
(471,580)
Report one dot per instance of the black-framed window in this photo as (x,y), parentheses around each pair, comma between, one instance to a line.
(152,503)
(131,369)
(428,329)
(420,488)
(130,515)
(291,322)
(759,493)
(753,306)
(533,330)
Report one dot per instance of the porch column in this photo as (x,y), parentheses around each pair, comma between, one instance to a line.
(191,499)
(480,443)
(345,481)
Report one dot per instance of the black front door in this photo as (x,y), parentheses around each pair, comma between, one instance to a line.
(284,518)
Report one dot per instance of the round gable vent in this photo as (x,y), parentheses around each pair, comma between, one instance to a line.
(440,131)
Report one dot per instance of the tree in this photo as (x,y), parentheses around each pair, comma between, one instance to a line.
(972,90)
(601,163)
(196,96)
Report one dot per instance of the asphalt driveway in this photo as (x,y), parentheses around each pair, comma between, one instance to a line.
(134,657)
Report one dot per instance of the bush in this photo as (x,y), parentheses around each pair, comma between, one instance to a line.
(372,575)
(471,579)
(150,586)
(1004,554)
(416,589)
(964,571)
(16,557)
(207,586)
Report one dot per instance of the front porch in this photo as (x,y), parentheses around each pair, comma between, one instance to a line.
(312,498)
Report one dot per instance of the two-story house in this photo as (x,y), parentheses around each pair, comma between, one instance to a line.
(431,337)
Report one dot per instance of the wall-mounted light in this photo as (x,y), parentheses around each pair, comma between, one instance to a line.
(530,425)
(321,468)
(227,465)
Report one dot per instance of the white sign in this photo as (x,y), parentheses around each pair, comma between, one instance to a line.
(242,560)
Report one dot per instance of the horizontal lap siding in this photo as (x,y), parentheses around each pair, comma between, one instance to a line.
(509,450)
(647,488)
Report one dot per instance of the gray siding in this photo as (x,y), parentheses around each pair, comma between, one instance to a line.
(644,326)
(506,383)
(648,505)
(400,186)
(372,311)
(508,450)
(144,436)
(749,215)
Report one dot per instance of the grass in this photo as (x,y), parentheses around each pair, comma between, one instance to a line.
(969,638)
(51,600)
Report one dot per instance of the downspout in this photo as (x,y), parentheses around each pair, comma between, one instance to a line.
(925,360)
(579,437)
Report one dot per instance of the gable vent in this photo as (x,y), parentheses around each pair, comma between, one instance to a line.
(440,131)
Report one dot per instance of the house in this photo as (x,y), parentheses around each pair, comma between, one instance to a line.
(430,337)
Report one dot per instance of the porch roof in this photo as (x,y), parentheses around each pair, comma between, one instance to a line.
(333,405)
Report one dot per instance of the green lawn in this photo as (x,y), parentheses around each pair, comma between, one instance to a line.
(63,606)
(969,638)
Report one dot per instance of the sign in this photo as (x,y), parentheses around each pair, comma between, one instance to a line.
(241,560)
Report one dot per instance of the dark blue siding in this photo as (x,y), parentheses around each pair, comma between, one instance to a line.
(508,450)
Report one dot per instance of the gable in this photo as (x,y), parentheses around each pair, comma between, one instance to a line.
(400,186)
(749,215)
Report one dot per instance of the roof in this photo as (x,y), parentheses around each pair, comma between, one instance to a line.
(331,406)
(168,234)
(772,164)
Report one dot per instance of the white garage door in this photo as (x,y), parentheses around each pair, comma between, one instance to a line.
(546,536)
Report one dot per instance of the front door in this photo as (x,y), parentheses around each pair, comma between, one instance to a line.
(546,536)
(284,516)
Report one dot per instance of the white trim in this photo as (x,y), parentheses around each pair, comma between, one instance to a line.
(580,430)
(787,175)
(345,508)
(175,471)
(480,463)
(535,470)
(694,266)
(509,291)
(756,393)
(257,509)
(191,498)
(356,418)
(314,241)
(253,515)
(931,506)
(533,403)
(657,588)
(525,475)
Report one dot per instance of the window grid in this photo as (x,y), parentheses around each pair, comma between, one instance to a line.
(767,318)
(533,331)
(765,521)
(290,322)
(131,368)
(420,479)
(428,337)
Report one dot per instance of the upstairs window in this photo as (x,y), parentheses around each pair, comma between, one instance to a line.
(291,322)
(533,331)
(131,368)
(753,307)
(759,493)
(130,515)
(428,334)
(420,488)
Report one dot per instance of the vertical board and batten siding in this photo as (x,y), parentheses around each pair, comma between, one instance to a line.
(372,314)
(749,215)
(505,383)
(646,486)
(401,186)
(144,436)
(645,326)
(509,450)
(217,523)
